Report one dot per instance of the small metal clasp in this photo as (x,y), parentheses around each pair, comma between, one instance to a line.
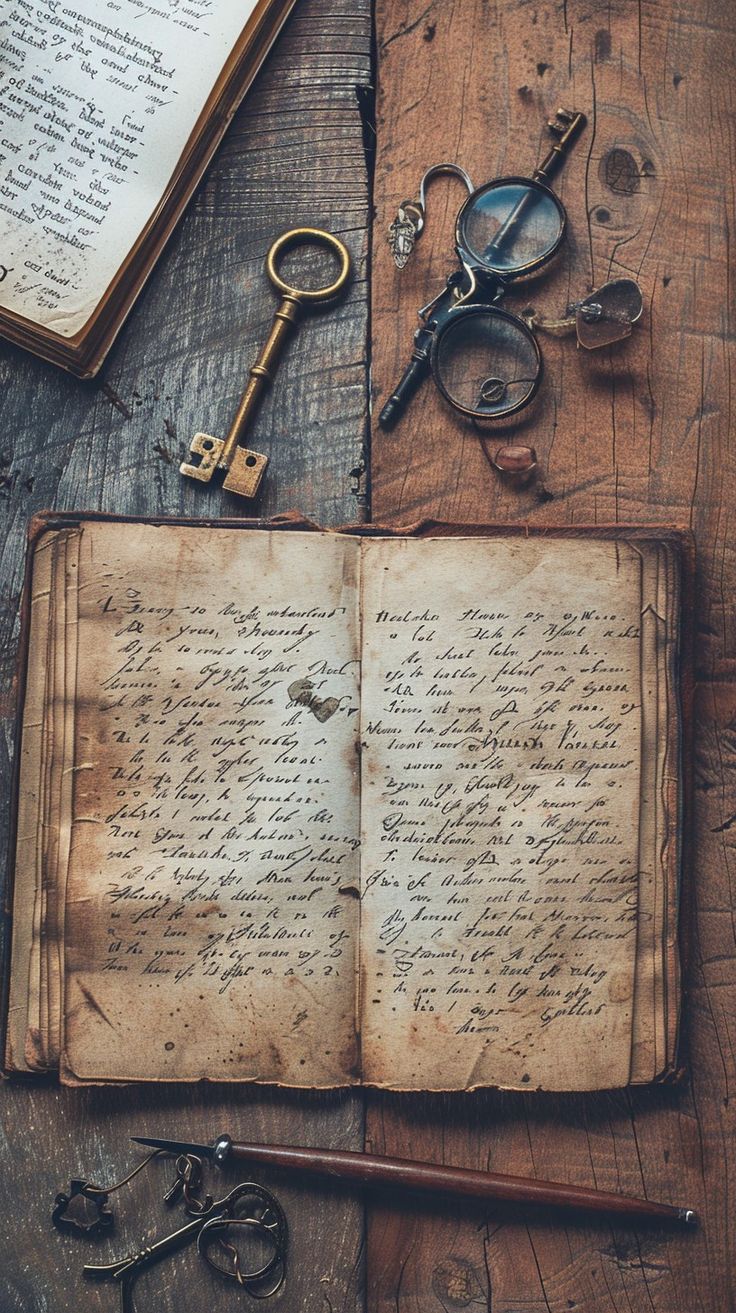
(411,215)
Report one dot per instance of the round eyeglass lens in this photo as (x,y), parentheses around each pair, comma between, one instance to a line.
(511,226)
(487,363)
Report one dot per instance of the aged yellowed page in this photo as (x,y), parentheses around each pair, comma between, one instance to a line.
(48,831)
(670,798)
(656,1011)
(35,1047)
(649,951)
(59,807)
(212,909)
(500,730)
(44,808)
(96,108)
(24,959)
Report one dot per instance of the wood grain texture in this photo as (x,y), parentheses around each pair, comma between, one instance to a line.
(641,434)
(294,155)
(636,434)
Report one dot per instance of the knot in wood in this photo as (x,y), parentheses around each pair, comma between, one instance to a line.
(620,171)
(455,1282)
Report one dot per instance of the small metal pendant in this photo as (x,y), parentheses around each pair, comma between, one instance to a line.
(606,316)
(402,236)
(609,314)
(84,1210)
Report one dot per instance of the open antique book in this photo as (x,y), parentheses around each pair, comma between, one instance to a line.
(109,115)
(328,808)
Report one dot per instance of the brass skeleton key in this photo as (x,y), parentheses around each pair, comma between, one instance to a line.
(244,468)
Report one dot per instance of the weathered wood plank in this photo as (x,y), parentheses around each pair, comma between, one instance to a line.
(633,439)
(637,434)
(293,156)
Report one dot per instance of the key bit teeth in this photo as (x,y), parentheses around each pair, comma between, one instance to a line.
(566,123)
(244,470)
(201,472)
(209,448)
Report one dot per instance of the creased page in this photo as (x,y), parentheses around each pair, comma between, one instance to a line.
(96,106)
(211,902)
(500,730)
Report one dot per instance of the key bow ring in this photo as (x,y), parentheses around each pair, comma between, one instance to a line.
(219,1230)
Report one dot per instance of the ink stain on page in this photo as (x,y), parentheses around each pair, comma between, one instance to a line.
(93,1004)
(301,692)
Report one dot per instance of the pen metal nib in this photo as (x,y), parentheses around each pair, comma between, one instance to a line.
(216,1152)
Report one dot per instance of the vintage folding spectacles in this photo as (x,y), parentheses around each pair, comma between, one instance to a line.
(486,361)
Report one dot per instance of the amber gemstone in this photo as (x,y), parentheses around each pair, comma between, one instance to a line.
(515,460)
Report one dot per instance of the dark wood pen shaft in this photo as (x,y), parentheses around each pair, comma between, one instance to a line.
(369,1169)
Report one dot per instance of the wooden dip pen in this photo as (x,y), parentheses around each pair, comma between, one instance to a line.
(429,1178)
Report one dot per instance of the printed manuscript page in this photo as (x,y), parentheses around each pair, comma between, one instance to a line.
(96,108)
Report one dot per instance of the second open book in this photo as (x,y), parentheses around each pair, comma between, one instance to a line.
(318,808)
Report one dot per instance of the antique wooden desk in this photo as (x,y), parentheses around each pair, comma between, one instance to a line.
(641,434)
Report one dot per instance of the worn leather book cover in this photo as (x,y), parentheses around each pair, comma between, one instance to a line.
(397,807)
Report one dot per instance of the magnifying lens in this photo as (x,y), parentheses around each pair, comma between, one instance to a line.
(510,227)
(486,362)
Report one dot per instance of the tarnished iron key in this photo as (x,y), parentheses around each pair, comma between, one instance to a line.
(262,1212)
(245,468)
